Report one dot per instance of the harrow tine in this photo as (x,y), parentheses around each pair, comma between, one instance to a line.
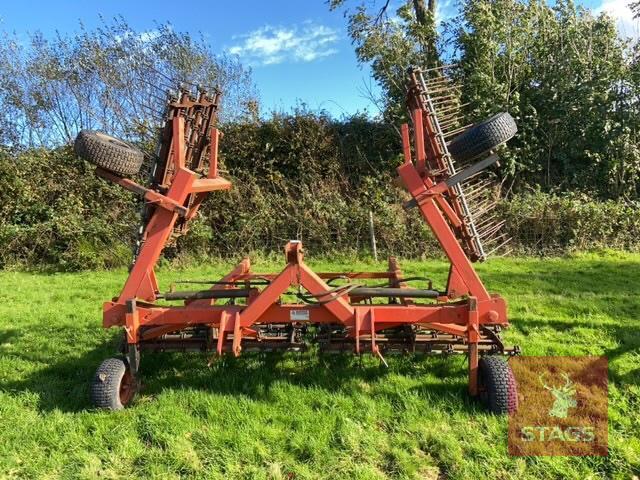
(457,107)
(480,186)
(475,175)
(496,239)
(437,78)
(490,230)
(475,196)
(443,101)
(440,98)
(451,113)
(448,123)
(448,88)
(488,183)
(440,67)
(436,81)
(486,221)
(499,246)
(455,132)
(486,207)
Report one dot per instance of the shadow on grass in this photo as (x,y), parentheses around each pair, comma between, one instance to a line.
(6,336)
(627,338)
(253,374)
(64,383)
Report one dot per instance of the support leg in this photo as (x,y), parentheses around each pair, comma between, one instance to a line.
(132,349)
(133,357)
(132,322)
(237,335)
(473,337)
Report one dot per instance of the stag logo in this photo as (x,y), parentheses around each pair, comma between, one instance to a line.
(564,397)
(551,420)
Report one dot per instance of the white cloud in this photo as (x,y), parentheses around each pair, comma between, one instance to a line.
(620,11)
(144,37)
(445,10)
(272,45)
(148,36)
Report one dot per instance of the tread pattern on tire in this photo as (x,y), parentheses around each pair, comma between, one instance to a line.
(500,384)
(108,152)
(105,387)
(483,137)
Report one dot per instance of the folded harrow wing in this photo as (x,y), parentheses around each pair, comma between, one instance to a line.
(246,311)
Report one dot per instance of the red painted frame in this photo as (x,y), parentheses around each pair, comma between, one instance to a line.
(461,312)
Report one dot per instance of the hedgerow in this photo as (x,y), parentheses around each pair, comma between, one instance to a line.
(299,176)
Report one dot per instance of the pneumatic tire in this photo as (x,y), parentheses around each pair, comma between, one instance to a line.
(483,137)
(497,385)
(108,152)
(113,386)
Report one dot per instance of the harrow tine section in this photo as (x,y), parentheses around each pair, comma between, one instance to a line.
(453,113)
(440,67)
(481,191)
(478,185)
(490,230)
(456,108)
(484,208)
(499,246)
(448,88)
(437,81)
(496,239)
(453,121)
(486,221)
(457,131)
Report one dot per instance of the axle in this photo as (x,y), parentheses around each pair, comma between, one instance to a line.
(362,292)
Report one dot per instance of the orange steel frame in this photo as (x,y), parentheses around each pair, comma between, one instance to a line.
(461,311)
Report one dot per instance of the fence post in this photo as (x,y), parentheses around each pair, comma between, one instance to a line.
(372,233)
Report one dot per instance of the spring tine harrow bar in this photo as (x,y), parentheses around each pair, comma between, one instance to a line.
(247,311)
(420,97)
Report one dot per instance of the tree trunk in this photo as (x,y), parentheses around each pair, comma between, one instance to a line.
(421,10)
(423,18)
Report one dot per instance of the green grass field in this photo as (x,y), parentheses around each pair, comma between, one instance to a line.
(295,417)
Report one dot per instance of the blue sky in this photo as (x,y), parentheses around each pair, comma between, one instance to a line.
(298,50)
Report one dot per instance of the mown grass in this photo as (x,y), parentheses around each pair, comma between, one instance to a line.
(289,416)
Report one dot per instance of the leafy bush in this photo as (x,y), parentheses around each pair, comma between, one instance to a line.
(299,176)
(543,223)
(55,211)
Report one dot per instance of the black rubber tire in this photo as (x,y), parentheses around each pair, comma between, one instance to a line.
(497,385)
(482,137)
(112,376)
(108,152)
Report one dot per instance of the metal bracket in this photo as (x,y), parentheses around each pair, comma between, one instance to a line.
(471,171)
(454,180)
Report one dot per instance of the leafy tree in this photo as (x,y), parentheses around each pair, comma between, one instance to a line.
(392,43)
(565,74)
(112,78)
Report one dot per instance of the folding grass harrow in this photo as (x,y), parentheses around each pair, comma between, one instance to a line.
(332,308)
